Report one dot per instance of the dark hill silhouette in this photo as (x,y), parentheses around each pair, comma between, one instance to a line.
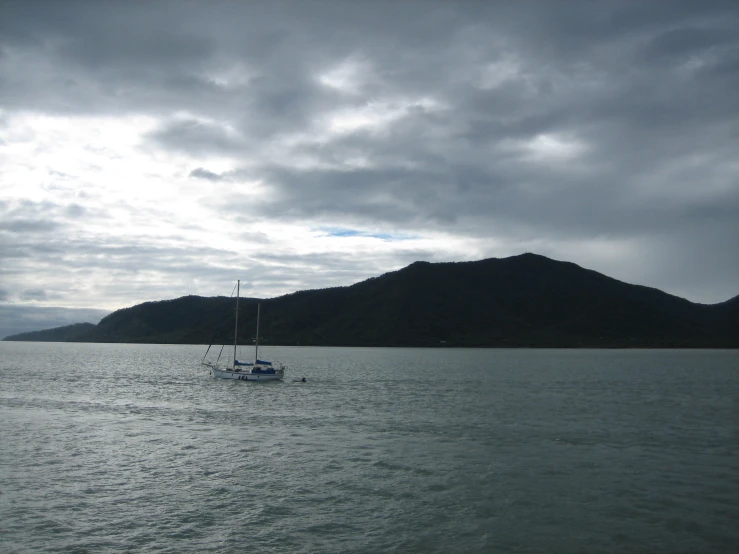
(526,300)
(67,333)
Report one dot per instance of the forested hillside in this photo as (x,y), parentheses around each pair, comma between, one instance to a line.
(525,300)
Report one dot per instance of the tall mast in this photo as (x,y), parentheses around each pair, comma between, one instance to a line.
(256,341)
(236,327)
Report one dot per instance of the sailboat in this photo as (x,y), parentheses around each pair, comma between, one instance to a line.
(258,370)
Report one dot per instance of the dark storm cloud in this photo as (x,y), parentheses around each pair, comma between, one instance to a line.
(99,34)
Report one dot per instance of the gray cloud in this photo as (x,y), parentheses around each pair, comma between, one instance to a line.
(196,138)
(33,294)
(28,226)
(201,173)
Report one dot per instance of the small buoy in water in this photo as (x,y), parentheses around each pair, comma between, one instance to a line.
(303,380)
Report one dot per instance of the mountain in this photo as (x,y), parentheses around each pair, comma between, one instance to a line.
(527,300)
(67,333)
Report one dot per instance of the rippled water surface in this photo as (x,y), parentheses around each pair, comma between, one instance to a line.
(135,448)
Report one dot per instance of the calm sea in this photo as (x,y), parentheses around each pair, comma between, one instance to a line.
(107,448)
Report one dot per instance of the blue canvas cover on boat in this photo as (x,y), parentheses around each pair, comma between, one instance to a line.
(237,362)
(262,362)
(264,370)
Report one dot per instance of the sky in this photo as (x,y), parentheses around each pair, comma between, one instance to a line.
(151,150)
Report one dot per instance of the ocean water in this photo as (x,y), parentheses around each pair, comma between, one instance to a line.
(134,448)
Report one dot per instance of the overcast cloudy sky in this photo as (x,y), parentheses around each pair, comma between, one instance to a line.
(150,150)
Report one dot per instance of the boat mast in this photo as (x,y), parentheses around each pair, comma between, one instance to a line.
(236,327)
(256,340)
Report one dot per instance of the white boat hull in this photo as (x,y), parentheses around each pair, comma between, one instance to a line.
(247,375)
